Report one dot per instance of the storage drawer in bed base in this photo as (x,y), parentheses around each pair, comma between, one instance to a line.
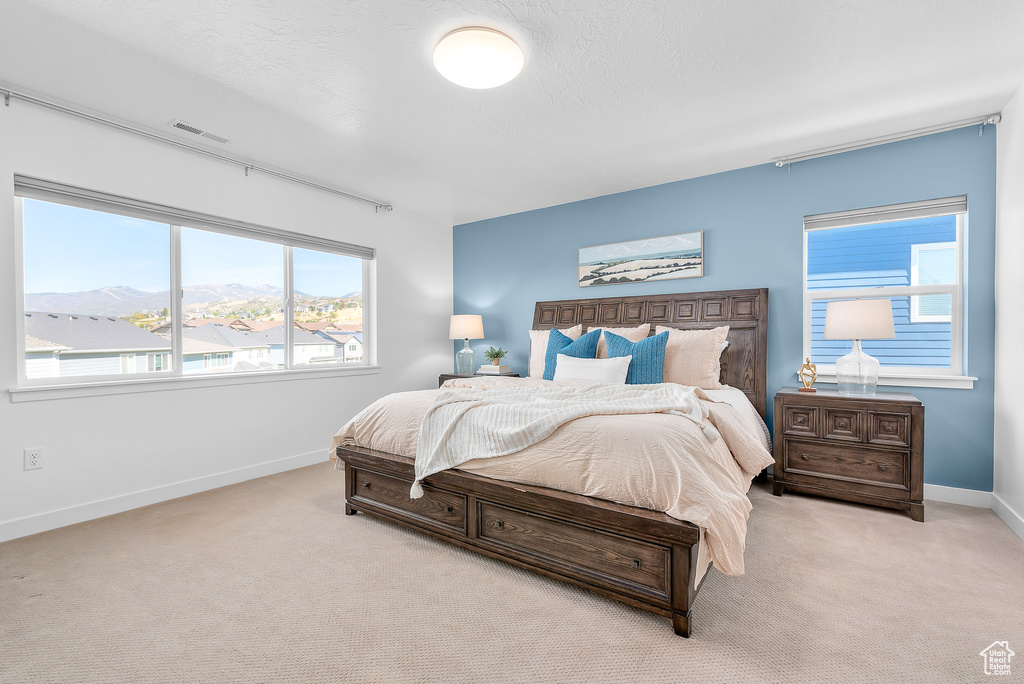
(639,557)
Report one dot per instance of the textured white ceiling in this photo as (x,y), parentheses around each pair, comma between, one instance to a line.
(615,95)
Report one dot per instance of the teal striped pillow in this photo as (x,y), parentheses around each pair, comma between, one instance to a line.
(583,348)
(648,364)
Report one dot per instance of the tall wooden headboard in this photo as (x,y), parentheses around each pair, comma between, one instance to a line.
(744,363)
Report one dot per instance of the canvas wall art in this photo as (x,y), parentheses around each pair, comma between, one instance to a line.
(641,261)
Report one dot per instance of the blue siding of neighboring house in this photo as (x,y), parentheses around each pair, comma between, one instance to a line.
(98,363)
(341,350)
(192,363)
(874,256)
(41,364)
(101,363)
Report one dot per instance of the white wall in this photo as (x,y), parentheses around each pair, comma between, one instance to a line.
(1008,489)
(108,453)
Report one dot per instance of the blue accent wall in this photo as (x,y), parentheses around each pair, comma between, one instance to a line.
(752,220)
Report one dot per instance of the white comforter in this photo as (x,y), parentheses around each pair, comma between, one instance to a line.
(465,423)
(661,461)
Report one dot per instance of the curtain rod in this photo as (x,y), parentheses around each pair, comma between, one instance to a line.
(247,165)
(980,121)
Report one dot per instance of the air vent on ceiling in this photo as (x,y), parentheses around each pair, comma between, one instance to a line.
(215,137)
(195,130)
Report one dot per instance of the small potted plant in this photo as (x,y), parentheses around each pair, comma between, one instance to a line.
(495,355)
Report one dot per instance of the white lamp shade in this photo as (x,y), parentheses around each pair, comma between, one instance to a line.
(859,319)
(477,57)
(466,326)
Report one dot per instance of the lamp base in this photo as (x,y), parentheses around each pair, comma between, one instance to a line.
(465,360)
(857,373)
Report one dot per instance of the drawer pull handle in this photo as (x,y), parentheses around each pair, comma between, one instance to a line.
(881,466)
(366,485)
(805,457)
(500,524)
(449,510)
(636,563)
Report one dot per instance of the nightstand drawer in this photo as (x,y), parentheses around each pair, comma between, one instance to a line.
(889,428)
(844,425)
(847,463)
(801,420)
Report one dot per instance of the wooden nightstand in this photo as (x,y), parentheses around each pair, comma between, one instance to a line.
(450,376)
(864,449)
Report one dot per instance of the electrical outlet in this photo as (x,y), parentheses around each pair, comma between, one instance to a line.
(33,459)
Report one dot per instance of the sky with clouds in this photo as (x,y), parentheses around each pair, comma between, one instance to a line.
(636,248)
(68,249)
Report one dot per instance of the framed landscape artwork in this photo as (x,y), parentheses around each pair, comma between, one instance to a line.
(641,261)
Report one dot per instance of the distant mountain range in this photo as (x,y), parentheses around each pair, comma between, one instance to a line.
(122,300)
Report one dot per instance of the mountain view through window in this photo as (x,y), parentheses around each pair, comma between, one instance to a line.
(98,301)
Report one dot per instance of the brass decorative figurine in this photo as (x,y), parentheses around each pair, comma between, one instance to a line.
(808,374)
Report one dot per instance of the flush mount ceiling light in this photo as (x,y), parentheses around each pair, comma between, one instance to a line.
(476,57)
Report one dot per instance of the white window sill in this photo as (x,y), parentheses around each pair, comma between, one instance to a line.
(940,381)
(154,384)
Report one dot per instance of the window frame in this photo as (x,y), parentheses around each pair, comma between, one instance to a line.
(154,359)
(915,252)
(953,377)
(128,364)
(31,389)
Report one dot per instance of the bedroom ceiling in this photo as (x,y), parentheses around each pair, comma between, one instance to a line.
(615,94)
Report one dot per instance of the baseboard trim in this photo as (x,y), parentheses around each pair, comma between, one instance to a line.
(1013,519)
(22,527)
(956,495)
(33,524)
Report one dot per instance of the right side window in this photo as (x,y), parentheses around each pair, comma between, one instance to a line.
(911,254)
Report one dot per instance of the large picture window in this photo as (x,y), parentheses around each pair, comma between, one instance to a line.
(118,287)
(911,254)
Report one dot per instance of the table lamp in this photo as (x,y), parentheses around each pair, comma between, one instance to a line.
(858,319)
(466,327)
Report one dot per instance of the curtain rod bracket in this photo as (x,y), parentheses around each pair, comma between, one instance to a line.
(993,119)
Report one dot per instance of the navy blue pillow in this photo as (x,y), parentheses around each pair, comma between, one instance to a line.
(648,364)
(583,348)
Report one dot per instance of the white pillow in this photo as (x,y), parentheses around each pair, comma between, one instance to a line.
(694,357)
(636,334)
(593,370)
(539,347)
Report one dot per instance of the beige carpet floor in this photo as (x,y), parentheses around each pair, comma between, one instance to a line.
(268,581)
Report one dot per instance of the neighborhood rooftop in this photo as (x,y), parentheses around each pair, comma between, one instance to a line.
(221,334)
(81,333)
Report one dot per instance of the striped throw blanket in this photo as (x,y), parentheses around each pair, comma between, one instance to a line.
(466,423)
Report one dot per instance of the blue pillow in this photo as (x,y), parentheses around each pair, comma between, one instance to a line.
(583,348)
(648,364)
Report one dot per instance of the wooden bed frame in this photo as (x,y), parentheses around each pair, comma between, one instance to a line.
(634,555)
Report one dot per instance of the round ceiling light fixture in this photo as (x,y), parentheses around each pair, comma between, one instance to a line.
(477,57)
